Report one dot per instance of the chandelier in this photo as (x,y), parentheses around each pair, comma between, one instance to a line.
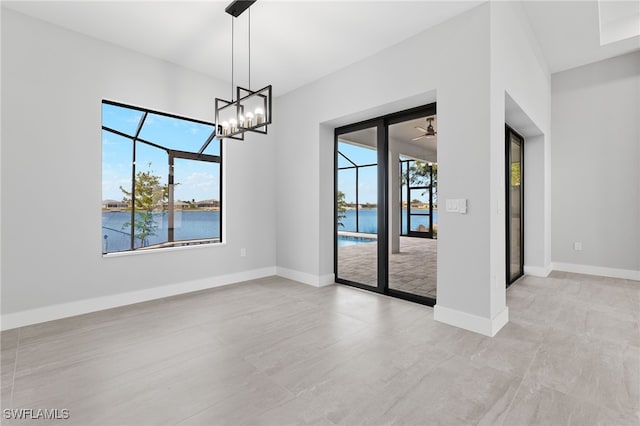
(249,110)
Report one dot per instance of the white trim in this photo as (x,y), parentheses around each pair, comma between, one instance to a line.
(325,280)
(538,271)
(303,277)
(488,327)
(53,312)
(601,271)
(161,250)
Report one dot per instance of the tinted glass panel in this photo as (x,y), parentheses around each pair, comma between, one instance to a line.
(361,155)
(515,210)
(413,248)
(197,200)
(357,203)
(175,133)
(122,119)
(152,196)
(116,182)
(343,162)
(347,214)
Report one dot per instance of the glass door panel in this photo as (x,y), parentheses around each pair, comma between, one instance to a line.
(515,206)
(413,254)
(357,207)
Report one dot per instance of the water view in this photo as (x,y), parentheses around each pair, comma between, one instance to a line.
(188,225)
(368,220)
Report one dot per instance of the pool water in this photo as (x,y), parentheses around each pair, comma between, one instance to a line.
(347,240)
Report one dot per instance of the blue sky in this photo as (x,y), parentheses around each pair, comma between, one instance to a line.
(368,186)
(197,180)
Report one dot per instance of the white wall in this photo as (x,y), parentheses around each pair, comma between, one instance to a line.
(468,64)
(451,59)
(53,81)
(519,76)
(56,79)
(596,167)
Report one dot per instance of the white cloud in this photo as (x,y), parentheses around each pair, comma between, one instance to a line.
(197,185)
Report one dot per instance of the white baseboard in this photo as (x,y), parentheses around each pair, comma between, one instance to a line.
(486,326)
(327,279)
(53,312)
(538,271)
(600,271)
(303,277)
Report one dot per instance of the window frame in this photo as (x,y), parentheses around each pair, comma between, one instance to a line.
(172,154)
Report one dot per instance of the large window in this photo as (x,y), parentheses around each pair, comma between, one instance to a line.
(161,180)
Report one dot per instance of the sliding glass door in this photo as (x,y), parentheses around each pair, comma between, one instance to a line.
(357,206)
(386,204)
(413,253)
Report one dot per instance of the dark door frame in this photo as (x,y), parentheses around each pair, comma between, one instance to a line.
(382,124)
(508,133)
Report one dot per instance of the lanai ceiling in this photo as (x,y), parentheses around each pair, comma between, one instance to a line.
(401,137)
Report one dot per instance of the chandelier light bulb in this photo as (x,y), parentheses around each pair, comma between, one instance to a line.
(241,120)
(259,115)
(249,119)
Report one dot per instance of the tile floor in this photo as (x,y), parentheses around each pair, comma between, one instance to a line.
(276,352)
(413,270)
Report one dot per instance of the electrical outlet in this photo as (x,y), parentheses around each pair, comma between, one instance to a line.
(243,252)
(577,246)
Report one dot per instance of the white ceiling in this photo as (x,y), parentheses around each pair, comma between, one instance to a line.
(295,43)
(568,33)
(292,43)
(618,20)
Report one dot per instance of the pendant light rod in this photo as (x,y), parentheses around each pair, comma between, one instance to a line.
(236,8)
(232,33)
(249,49)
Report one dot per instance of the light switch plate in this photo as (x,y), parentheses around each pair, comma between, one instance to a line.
(457,205)
(462,205)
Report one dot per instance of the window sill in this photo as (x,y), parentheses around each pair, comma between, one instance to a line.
(162,250)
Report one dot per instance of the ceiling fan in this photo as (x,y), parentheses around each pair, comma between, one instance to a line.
(429,132)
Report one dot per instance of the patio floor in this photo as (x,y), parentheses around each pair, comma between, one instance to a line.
(413,270)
